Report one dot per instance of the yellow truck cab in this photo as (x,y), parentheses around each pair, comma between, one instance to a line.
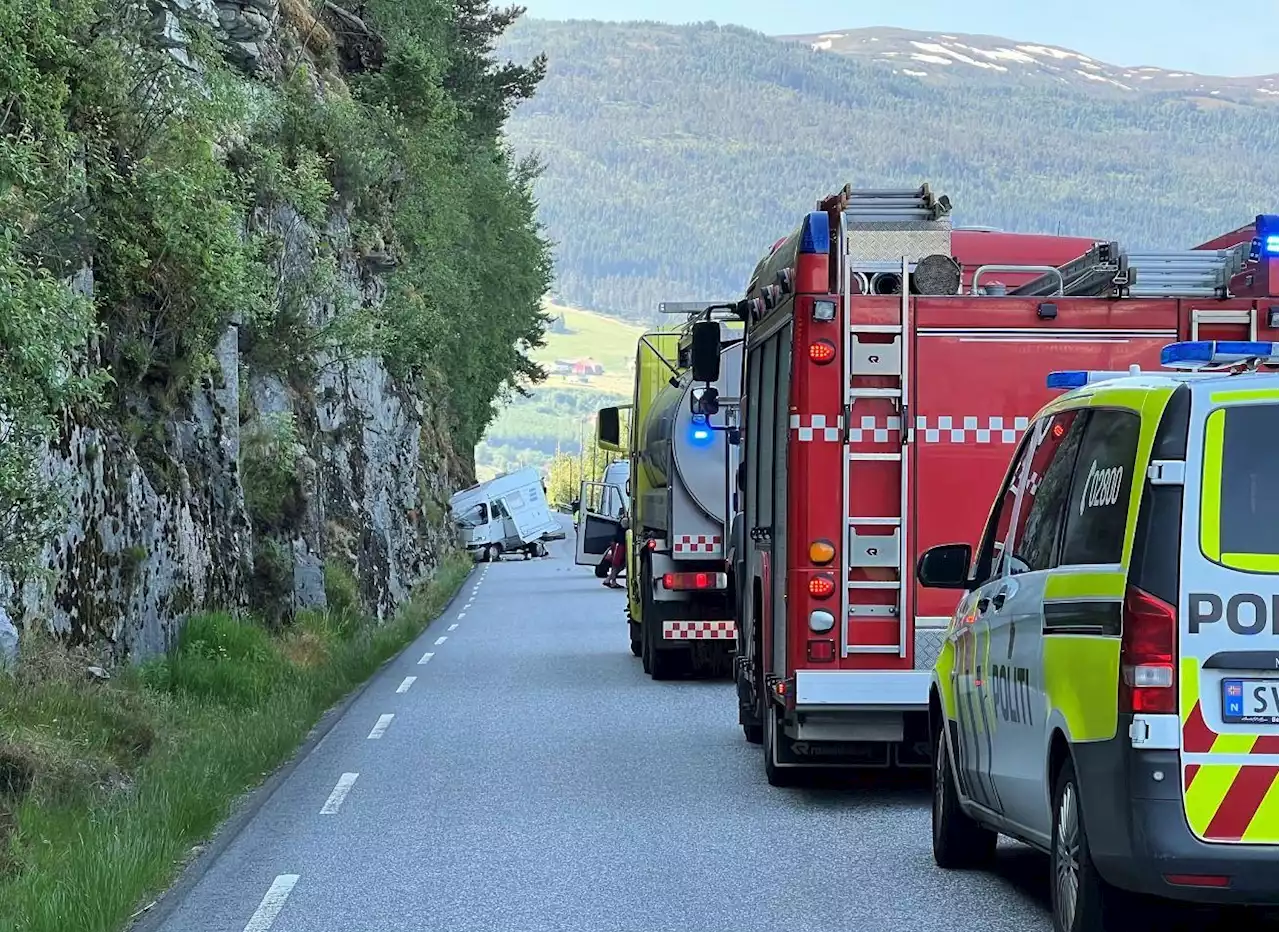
(1107,691)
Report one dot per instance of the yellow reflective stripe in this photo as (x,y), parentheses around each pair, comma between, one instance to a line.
(1232,743)
(1080,678)
(1245,394)
(1265,825)
(1205,794)
(1253,562)
(1211,487)
(1189,686)
(1064,584)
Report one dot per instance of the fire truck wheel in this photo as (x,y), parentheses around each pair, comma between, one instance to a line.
(753,732)
(958,840)
(773,772)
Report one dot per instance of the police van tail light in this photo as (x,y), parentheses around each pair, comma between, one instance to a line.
(1148,647)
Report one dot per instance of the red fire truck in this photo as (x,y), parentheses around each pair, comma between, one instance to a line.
(886,380)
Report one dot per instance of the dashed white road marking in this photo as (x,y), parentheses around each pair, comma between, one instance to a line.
(381,726)
(425,658)
(272,903)
(441,639)
(462,615)
(345,783)
(454,625)
(406,683)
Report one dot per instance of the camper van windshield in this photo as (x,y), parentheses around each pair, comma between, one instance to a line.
(475,517)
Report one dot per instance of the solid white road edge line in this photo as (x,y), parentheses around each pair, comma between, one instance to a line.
(425,657)
(345,783)
(380,727)
(272,903)
(441,639)
(405,684)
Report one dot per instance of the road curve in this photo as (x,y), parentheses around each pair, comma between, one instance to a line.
(531,778)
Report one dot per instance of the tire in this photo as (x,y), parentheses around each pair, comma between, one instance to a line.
(1094,905)
(602,569)
(493,553)
(637,646)
(959,841)
(775,774)
(754,733)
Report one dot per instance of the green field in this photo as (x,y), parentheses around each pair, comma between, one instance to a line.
(529,431)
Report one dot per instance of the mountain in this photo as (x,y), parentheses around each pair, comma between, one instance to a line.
(967,58)
(676,155)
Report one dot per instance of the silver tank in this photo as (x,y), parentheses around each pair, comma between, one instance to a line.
(675,448)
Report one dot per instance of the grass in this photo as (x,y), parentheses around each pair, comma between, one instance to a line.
(607,340)
(106,787)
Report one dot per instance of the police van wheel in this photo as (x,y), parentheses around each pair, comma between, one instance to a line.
(1082,901)
(959,841)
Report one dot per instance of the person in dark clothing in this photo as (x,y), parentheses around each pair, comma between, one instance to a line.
(618,551)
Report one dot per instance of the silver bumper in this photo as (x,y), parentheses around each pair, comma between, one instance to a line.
(897,690)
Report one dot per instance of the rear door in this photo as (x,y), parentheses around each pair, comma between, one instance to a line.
(596,525)
(1229,645)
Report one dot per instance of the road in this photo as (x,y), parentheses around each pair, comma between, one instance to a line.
(529,777)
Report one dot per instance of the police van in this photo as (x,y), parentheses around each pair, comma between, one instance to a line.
(1107,691)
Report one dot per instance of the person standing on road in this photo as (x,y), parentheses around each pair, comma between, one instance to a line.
(618,552)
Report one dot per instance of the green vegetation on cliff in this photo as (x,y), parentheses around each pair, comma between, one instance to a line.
(177,184)
(677,155)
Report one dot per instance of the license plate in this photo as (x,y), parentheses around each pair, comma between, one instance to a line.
(1251,702)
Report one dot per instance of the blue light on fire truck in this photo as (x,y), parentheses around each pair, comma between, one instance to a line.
(1267,231)
(1199,353)
(815,234)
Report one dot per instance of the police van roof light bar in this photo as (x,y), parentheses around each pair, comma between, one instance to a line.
(1068,379)
(1200,354)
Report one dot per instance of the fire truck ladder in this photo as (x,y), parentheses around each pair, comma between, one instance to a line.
(882,551)
(884,233)
(1107,270)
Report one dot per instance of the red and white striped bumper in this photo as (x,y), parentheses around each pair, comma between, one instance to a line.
(698,630)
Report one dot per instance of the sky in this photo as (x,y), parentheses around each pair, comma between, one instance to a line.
(1241,37)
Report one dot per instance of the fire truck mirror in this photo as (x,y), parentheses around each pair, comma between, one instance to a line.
(945,567)
(608,429)
(742,477)
(705,351)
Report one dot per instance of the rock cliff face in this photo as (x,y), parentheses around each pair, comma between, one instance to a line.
(160,521)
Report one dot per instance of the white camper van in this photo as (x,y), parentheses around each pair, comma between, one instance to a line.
(508,514)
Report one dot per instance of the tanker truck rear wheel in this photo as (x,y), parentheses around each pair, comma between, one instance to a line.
(637,645)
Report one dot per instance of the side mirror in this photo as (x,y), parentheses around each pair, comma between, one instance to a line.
(609,429)
(704,351)
(705,401)
(575,505)
(945,567)
(742,477)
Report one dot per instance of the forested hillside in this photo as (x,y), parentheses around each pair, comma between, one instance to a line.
(676,155)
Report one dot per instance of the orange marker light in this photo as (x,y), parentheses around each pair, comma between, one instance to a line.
(821,552)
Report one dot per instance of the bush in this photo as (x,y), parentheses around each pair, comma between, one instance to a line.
(223,659)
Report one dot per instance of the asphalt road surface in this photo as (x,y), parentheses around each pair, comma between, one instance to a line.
(515,771)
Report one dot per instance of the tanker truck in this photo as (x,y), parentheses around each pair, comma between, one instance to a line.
(679,586)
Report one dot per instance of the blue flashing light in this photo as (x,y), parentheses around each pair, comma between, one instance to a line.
(1200,353)
(1266,235)
(1067,379)
(815,234)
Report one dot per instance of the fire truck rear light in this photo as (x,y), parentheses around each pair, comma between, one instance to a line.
(822,351)
(822,651)
(1197,880)
(824,311)
(822,552)
(821,621)
(821,587)
(695,580)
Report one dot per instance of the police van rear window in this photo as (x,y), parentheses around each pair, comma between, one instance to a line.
(1239,501)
